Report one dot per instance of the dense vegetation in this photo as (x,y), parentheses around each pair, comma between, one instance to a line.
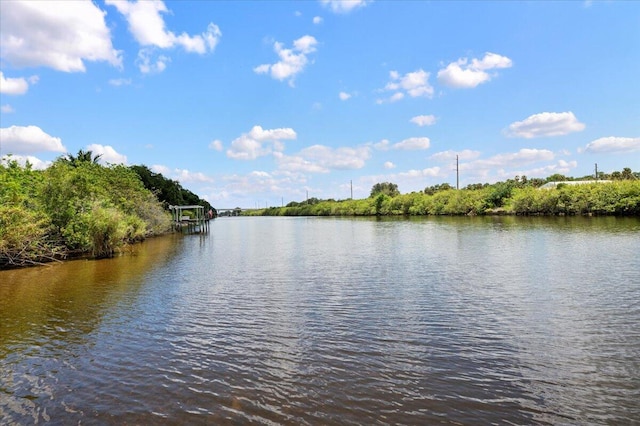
(79,206)
(168,191)
(520,196)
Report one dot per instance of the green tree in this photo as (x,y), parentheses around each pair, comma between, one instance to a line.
(387,188)
(430,190)
(82,157)
(627,174)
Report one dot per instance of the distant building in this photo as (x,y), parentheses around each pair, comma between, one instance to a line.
(552,185)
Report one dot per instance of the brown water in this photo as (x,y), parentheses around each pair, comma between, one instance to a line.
(334,321)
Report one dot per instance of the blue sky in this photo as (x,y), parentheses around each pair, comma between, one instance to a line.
(255,103)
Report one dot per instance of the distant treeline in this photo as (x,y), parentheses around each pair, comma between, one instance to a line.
(78,206)
(519,196)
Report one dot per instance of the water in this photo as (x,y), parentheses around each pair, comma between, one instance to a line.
(334,321)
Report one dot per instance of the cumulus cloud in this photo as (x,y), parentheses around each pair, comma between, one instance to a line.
(6,109)
(545,124)
(322,159)
(15,86)
(465,74)
(108,154)
(424,120)
(317,20)
(36,163)
(429,172)
(181,175)
(510,160)
(344,6)
(409,144)
(55,34)
(449,155)
(216,145)
(150,62)
(562,167)
(292,61)
(412,144)
(187,176)
(414,84)
(389,165)
(613,144)
(29,139)
(147,26)
(345,96)
(159,168)
(259,142)
(383,145)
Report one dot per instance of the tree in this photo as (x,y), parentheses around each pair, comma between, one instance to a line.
(385,188)
(557,177)
(430,190)
(82,157)
(627,174)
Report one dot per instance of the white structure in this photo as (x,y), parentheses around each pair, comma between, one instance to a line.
(552,185)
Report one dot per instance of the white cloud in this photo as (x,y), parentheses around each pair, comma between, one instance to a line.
(343,6)
(322,159)
(294,163)
(462,74)
(545,124)
(108,154)
(389,165)
(414,84)
(148,27)
(216,145)
(562,167)
(56,34)
(317,20)
(28,139)
(424,120)
(344,96)
(613,144)
(292,61)
(259,142)
(181,175)
(430,172)
(148,65)
(445,156)
(36,163)
(6,109)
(383,145)
(412,144)
(186,176)
(159,168)
(509,160)
(14,86)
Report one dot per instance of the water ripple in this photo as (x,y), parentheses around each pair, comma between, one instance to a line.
(336,322)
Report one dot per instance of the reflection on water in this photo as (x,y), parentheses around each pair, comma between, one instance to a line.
(334,321)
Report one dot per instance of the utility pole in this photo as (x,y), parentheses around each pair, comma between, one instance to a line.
(457,174)
(596,171)
(307,195)
(351,189)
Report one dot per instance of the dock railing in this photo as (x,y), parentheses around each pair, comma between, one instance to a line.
(197,221)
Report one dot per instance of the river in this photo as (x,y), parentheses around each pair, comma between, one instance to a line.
(485,320)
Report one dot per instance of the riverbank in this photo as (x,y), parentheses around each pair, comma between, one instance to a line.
(618,198)
(80,208)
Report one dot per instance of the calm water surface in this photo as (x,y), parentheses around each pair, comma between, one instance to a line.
(334,321)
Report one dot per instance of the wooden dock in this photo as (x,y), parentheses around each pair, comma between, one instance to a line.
(196,222)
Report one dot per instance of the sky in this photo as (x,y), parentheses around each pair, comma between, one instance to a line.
(260,103)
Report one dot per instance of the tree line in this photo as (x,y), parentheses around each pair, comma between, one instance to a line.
(620,195)
(78,206)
